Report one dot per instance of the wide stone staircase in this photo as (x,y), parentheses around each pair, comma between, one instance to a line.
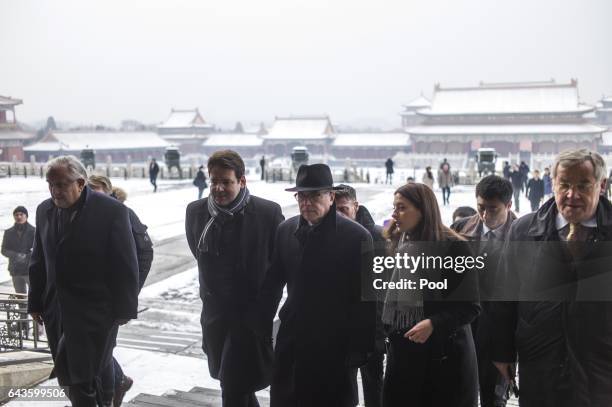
(196,397)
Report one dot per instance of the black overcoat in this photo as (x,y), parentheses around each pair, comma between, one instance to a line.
(238,345)
(83,283)
(563,321)
(325,326)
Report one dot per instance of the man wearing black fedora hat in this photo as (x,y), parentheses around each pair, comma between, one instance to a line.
(326,328)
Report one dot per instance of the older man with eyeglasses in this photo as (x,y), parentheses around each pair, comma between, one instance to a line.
(556,269)
(326,327)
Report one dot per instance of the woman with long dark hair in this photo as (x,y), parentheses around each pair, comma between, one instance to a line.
(428,178)
(431,361)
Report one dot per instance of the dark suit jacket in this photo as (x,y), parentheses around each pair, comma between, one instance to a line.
(83,283)
(237,343)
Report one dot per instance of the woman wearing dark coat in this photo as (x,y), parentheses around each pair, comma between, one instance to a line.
(431,360)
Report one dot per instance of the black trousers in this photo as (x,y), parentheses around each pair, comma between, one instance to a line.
(535,204)
(239,399)
(545,384)
(446,194)
(492,385)
(83,394)
(21,283)
(371,380)
(517,199)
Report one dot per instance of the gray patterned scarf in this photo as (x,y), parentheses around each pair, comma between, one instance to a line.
(219,215)
(403,308)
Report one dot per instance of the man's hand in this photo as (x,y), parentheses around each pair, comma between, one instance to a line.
(420,332)
(504,369)
(122,321)
(37,316)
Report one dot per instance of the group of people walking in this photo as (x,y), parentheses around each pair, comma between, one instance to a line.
(449,346)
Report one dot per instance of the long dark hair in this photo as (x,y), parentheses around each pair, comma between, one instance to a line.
(429,173)
(430,228)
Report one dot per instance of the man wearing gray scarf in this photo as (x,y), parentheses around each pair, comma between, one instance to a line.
(231,235)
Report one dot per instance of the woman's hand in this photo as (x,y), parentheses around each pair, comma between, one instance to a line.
(420,332)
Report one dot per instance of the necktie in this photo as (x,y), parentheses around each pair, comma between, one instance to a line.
(574,239)
(486,245)
(572,235)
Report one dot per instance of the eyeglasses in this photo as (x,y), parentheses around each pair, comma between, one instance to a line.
(584,188)
(60,185)
(314,196)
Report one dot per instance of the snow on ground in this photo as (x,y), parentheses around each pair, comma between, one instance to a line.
(164,211)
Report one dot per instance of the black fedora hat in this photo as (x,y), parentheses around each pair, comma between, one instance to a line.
(313,178)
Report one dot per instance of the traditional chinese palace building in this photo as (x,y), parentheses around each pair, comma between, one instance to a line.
(12,137)
(514,118)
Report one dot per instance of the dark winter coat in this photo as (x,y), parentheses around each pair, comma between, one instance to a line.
(506,171)
(547,184)
(14,244)
(516,178)
(237,343)
(83,282)
(389,166)
(450,367)
(325,328)
(144,247)
(200,180)
(364,218)
(535,190)
(569,331)
(153,170)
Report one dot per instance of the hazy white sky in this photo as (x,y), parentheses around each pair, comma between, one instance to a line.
(250,60)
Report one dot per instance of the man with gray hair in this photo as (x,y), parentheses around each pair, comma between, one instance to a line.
(83,276)
(555,276)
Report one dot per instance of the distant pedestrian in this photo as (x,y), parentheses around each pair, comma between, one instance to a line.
(389,167)
(153,172)
(524,170)
(445,163)
(445,181)
(516,178)
(535,191)
(262,165)
(428,178)
(608,192)
(506,170)
(200,181)
(17,246)
(547,183)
